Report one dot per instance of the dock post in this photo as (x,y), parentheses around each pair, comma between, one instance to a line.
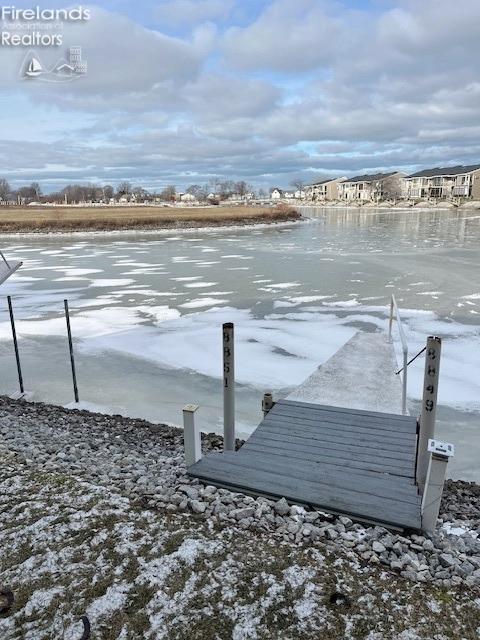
(267,403)
(70,346)
(439,453)
(191,435)
(228,388)
(429,406)
(15,345)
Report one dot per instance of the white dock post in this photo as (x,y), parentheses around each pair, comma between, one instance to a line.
(191,435)
(228,388)
(429,406)
(439,453)
(267,403)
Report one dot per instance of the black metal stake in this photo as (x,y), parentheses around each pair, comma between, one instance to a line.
(15,344)
(70,346)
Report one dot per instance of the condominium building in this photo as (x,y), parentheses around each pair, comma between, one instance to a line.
(443,182)
(323,190)
(372,187)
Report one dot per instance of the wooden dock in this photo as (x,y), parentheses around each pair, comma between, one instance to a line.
(338,442)
(348,461)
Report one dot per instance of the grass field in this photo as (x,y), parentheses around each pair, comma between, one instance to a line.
(38,219)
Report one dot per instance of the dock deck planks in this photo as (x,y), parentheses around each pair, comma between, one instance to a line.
(350,461)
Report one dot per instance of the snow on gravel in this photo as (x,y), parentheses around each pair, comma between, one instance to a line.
(99,519)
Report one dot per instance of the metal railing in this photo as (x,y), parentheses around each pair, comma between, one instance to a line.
(4,259)
(395,315)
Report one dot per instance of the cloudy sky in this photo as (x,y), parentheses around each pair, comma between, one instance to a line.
(180,91)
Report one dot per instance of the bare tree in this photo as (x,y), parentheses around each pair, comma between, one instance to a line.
(298,184)
(36,190)
(225,189)
(169,193)
(391,188)
(4,189)
(196,190)
(215,183)
(124,188)
(241,187)
(107,192)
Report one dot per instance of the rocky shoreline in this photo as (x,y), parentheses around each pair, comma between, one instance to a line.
(472,205)
(144,461)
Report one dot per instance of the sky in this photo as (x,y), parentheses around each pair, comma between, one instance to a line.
(268,91)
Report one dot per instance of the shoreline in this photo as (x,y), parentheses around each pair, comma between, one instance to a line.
(155,231)
(88,220)
(386,209)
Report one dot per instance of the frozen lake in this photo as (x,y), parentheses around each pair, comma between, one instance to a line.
(147,309)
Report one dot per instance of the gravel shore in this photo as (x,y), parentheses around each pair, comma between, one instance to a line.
(140,466)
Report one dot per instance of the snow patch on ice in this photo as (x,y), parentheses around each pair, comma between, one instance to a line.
(203,302)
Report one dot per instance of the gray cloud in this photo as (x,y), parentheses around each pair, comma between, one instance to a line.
(192,12)
(304,89)
(288,36)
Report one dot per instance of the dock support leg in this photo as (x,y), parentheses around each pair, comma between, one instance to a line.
(70,347)
(438,453)
(429,407)
(191,435)
(15,345)
(228,388)
(267,403)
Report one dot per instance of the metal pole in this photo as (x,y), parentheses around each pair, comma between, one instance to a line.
(429,406)
(404,382)
(15,344)
(228,388)
(391,320)
(70,346)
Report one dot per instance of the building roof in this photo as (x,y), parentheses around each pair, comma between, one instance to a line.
(371,177)
(316,184)
(445,171)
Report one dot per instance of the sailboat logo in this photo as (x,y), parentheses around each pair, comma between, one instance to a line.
(34,68)
(62,71)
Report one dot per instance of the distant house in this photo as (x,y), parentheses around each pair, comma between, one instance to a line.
(300,194)
(373,187)
(324,190)
(444,182)
(276,194)
(187,197)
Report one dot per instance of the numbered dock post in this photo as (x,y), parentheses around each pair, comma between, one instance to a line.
(191,435)
(228,388)
(15,345)
(438,454)
(70,346)
(429,406)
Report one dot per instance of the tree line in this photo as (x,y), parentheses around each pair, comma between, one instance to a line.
(216,189)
